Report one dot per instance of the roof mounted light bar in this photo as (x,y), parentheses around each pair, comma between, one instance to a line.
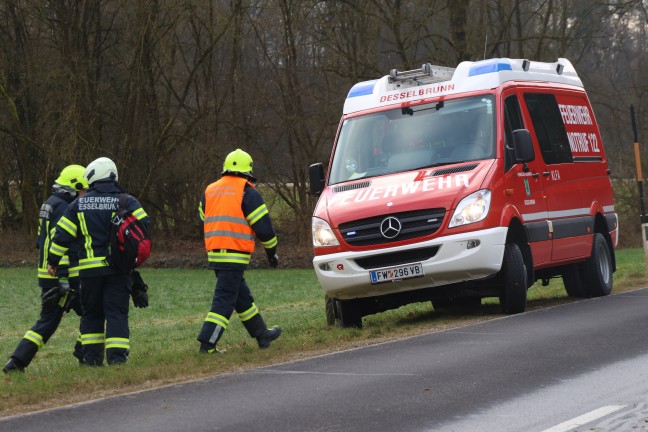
(426,74)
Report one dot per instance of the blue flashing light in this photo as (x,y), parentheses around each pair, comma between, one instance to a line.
(489,66)
(362,89)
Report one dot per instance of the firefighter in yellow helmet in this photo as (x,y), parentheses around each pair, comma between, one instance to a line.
(59,293)
(234,213)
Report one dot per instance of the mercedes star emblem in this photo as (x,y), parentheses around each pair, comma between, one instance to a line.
(390,227)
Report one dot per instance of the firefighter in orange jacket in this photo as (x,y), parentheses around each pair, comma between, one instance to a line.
(233,213)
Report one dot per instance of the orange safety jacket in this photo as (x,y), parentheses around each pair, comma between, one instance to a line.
(226,227)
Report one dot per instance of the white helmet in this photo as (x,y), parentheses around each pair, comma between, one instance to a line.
(100,169)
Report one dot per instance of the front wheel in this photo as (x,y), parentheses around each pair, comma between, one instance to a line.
(329,306)
(347,314)
(597,270)
(514,292)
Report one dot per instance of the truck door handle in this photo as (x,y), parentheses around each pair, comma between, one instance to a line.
(546,173)
(535,175)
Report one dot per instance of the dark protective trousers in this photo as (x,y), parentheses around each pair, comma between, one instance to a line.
(104,324)
(42,331)
(231,294)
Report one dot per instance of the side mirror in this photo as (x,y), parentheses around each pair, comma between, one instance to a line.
(522,146)
(317,178)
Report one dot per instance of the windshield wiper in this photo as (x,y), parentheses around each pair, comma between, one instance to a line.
(441,163)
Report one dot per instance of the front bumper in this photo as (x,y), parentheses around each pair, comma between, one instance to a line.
(342,278)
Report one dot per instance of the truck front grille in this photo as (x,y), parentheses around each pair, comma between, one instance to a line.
(413,224)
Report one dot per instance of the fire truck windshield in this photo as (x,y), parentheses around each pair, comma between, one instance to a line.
(414,137)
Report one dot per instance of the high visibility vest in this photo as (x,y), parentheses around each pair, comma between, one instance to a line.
(225,224)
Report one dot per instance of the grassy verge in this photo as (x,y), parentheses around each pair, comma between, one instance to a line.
(164,349)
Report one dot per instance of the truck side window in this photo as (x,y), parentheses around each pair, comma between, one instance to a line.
(512,121)
(549,128)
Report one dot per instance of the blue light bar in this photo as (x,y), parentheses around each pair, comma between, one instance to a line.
(489,66)
(362,89)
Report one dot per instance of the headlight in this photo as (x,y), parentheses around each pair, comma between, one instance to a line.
(323,234)
(471,209)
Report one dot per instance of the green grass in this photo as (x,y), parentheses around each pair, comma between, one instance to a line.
(163,336)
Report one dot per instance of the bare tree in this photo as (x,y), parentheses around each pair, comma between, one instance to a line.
(168,87)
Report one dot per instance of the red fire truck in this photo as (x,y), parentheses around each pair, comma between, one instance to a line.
(451,185)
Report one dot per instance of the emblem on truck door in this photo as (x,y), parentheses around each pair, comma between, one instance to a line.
(390,227)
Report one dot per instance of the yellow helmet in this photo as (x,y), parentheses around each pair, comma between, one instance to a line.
(72,176)
(238,162)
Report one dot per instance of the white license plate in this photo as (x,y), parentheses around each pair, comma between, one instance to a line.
(396,273)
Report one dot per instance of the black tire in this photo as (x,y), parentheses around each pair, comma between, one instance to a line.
(573,282)
(329,308)
(597,270)
(346,314)
(514,292)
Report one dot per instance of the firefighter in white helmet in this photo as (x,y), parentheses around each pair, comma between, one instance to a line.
(106,290)
(234,214)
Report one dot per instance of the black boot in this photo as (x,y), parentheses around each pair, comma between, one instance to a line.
(257,329)
(268,336)
(14,365)
(209,349)
(78,353)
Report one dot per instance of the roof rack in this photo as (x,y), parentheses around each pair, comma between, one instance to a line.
(427,74)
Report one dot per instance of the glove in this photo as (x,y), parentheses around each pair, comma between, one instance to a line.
(52,296)
(273,258)
(138,291)
(73,302)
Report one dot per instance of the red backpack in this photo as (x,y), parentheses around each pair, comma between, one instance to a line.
(130,242)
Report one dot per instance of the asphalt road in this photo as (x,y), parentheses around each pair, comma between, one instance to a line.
(576,366)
